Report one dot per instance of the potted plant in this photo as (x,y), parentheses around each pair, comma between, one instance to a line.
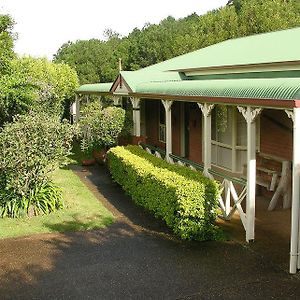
(100,128)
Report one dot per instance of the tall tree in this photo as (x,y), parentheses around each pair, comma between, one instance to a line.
(267,15)
(6,42)
(96,61)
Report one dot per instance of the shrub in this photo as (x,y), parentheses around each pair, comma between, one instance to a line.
(184,199)
(42,199)
(30,148)
(35,84)
(100,127)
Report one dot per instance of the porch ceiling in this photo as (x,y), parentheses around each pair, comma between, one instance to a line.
(270,88)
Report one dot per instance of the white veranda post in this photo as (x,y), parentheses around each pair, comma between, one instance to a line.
(167,105)
(206,111)
(250,114)
(295,229)
(136,116)
(77,107)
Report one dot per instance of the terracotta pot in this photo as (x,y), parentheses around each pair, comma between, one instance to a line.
(88,162)
(138,139)
(100,156)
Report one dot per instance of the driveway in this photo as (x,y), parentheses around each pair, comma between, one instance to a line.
(135,258)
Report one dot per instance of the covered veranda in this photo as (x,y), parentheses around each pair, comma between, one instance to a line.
(235,190)
(256,78)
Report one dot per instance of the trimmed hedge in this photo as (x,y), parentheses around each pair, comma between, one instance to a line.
(183,198)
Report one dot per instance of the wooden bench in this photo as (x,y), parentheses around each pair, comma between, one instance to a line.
(261,180)
(274,178)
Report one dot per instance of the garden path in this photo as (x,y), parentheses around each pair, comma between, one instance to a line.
(135,258)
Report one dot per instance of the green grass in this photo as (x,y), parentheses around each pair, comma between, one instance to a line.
(82,211)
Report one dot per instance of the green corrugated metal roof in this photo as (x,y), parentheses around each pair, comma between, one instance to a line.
(271,88)
(94,88)
(272,47)
(133,78)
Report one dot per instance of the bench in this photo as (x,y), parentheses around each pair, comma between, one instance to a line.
(274,173)
(261,180)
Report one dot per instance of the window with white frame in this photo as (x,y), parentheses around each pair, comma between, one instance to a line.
(229,143)
(162,124)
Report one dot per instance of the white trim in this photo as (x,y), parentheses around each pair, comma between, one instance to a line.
(167,105)
(290,114)
(255,68)
(117,100)
(250,114)
(295,239)
(77,104)
(136,115)
(234,141)
(206,111)
(216,143)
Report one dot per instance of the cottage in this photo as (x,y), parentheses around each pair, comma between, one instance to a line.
(231,109)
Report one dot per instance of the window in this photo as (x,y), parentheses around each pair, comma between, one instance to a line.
(162,124)
(229,146)
(222,141)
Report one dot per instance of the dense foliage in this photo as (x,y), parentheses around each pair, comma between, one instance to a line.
(100,127)
(30,148)
(35,84)
(6,42)
(184,199)
(96,60)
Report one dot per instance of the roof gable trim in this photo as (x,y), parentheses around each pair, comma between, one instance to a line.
(120,86)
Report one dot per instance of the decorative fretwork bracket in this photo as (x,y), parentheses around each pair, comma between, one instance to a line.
(167,104)
(249,113)
(290,114)
(135,102)
(206,108)
(117,100)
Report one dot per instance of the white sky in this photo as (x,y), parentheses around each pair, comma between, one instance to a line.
(44,25)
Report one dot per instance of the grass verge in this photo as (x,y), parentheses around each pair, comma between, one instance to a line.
(82,211)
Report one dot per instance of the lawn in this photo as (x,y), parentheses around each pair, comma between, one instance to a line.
(82,211)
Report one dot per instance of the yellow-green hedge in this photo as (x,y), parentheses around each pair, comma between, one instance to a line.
(183,198)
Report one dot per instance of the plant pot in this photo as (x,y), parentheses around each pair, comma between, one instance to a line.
(100,156)
(88,162)
(138,139)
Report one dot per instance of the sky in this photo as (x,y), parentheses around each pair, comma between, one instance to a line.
(45,25)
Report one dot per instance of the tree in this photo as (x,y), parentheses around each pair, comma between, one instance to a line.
(267,15)
(94,60)
(35,84)
(6,42)
(170,38)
